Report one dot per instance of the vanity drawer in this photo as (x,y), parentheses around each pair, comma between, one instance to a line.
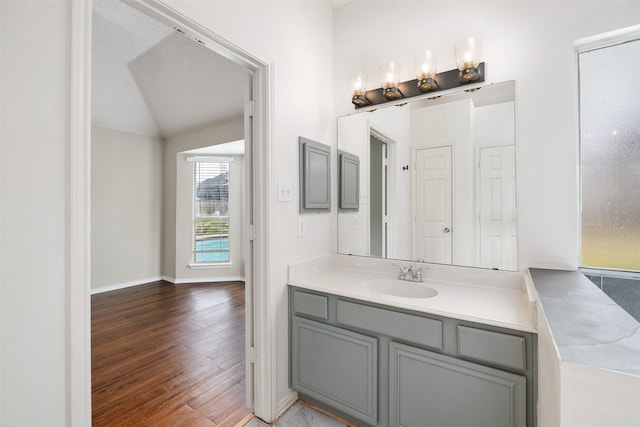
(492,347)
(415,329)
(312,305)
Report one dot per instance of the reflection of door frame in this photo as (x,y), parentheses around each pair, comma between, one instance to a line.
(377,197)
(259,347)
(390,190)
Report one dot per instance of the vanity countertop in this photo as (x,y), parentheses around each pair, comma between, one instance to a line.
(496,298)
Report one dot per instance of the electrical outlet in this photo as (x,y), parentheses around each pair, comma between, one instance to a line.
(302,227)
(284,191)
(355,222)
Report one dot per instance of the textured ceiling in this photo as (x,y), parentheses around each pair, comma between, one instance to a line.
(150,80)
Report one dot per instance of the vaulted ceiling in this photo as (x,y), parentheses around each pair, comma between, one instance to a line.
(149,79)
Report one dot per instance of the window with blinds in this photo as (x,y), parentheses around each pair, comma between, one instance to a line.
(211,210)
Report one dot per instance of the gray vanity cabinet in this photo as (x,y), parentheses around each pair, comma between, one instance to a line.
(385,366)
(336,367)
(431,389)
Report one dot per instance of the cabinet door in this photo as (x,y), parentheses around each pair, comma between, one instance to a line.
(430,389)
(336,367)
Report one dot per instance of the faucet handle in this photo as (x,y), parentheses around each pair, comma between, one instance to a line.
(417,275)
(404,270)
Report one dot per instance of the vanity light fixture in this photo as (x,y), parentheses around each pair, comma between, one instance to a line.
(359,85)
(390,80)
(468,58)
(426,66)
(427,80)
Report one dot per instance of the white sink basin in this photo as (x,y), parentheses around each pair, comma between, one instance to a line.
(399,288)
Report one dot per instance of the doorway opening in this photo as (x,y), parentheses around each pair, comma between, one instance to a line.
(255,214)
(378,182)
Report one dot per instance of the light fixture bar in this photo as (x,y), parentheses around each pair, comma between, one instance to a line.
(445,80)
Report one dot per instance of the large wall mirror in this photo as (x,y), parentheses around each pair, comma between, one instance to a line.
(436,180)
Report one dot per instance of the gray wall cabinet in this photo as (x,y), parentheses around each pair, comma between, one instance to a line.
(349,180)
(315,176)
(385,366)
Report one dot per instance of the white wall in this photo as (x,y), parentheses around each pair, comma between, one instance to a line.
(34,55)
(549,386)
(354,133)
(296,39)
(493,125)
(597,397)
(530,42)
(354,224)
(572,395)
(126,208)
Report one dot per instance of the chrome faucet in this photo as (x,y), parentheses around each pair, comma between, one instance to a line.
(417,275)
(407,273)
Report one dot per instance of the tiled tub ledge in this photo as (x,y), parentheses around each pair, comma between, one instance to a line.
(587,326)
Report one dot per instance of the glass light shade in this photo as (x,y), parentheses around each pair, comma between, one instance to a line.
(468,53)
(359,87)
(426,65)
(390,75)
(359,84)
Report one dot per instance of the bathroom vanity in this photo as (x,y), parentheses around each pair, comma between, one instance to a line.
(458,349)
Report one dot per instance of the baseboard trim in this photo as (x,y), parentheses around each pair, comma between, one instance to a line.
(125,285)
(203,279)
(166,279)
(286,402)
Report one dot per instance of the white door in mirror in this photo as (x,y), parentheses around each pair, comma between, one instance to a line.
(432,232)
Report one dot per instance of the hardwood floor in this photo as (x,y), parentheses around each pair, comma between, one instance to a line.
(169,355)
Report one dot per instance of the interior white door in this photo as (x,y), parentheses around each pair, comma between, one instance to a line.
(433,228)
(497,206)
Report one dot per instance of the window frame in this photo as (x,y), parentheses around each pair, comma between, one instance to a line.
(587,44)
(195,216)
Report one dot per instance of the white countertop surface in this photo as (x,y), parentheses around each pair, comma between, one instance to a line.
(496,298)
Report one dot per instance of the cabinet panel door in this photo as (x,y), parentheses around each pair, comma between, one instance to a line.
(310,304)
(336,367)
(430,389)
(496,348)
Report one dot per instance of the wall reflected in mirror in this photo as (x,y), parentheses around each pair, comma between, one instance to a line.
(436,180)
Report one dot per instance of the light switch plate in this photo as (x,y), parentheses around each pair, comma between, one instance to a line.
(284,191)
(302,227)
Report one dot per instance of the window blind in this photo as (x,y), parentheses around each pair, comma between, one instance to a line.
(211,210)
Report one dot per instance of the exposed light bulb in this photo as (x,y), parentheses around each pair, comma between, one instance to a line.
(468,58)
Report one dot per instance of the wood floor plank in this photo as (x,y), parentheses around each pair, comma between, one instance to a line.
(169,355)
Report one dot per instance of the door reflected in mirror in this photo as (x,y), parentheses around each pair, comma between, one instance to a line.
(437,180)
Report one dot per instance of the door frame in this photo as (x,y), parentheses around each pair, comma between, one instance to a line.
(389,220)
(78,246)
